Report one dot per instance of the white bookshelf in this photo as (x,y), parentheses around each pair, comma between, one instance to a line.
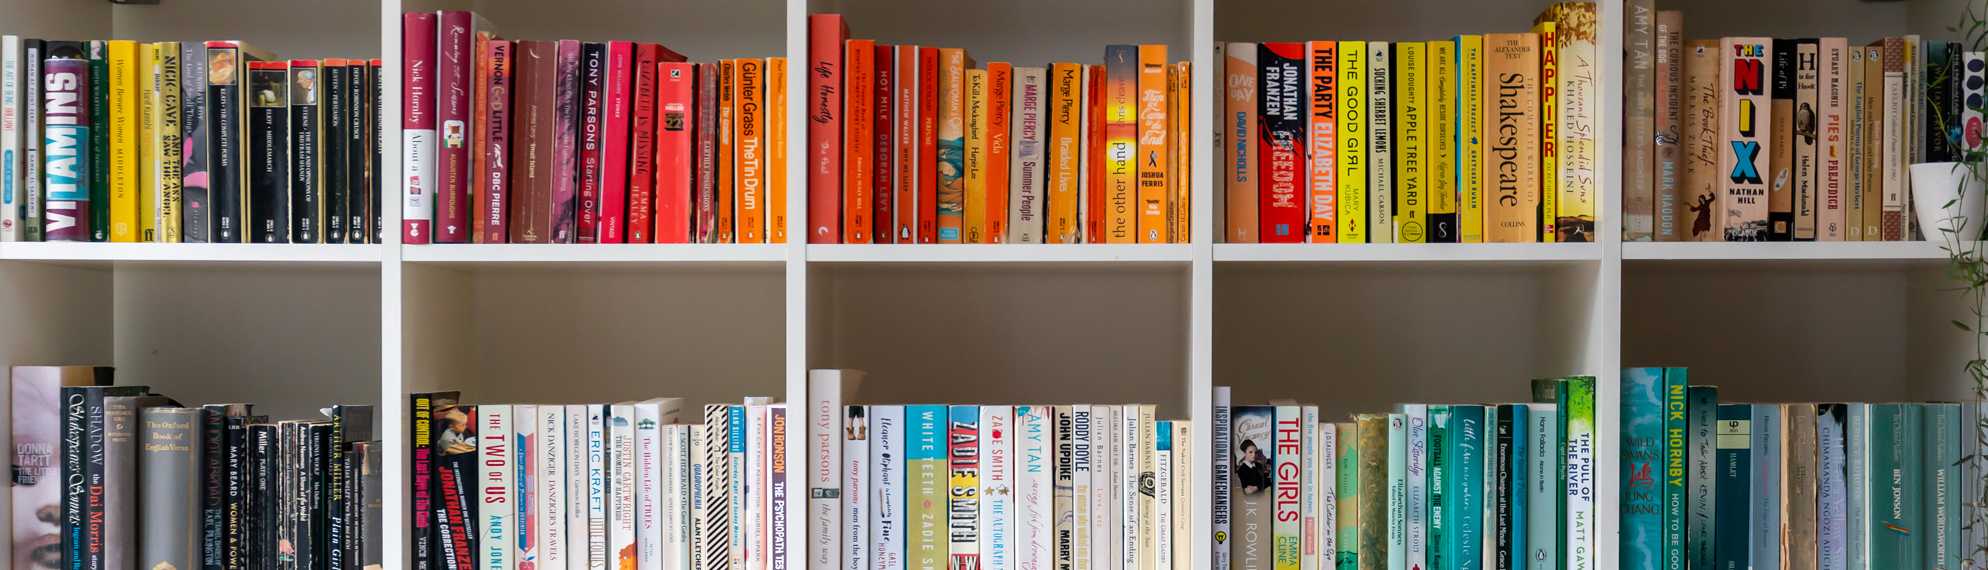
(1352,327)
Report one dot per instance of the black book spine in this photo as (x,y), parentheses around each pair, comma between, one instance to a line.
(100,141)
(269,153)
(357,158)
(355,505)
(306,209)
(224,145)
(1781,223)
(334,476)
(94,463)
(194,227)
(258,493)
(1502,456)
(213,482)
(421,411)
(336,139)
(373,134)
(234,447)
(284,506)
(300,496)
(75,422)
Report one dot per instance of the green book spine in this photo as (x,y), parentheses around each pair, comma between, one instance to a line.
(1701,482)
(1897,505)
(99,143)
(1466,520)
(925,497)
(1578,550)
(1439,456)
(1642,461)
(1735,466)
(1374,491)
(1674,467)
(1942,467)
(1347,490)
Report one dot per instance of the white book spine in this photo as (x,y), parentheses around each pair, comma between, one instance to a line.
(824,528)
(494,507)
(550,478)
(10,138)
(652,508)
(1380,164)
(1035,489)
(694,483)
(1163,495)
(997,488)
(1104,491)
(1026,205)
(1081,469)
(887,490)
(1543,488)
(756,498)
(1128,486)
(1308,488)
(779,533)
(1219,511)
(856,486)
(621,486)
(597,481)
(525,456)
(1328,496)
(1184,462)
(715,531)
(737,441)
(578,543)
(1418,485)
(679,551)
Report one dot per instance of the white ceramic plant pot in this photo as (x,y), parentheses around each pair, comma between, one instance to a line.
(1935,185)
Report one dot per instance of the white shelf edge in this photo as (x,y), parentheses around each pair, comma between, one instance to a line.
(224,253)
(595,253)
(1414,253)
(1001,253)
(1896,251)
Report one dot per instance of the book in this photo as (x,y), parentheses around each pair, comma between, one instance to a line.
(267,204)
(975,160)
(455,62)
(1000,95)
(494,129)
(167,462)
(1397,489)
(564,161)
(1798,460)
(1380,142)
(120,489)
(1221,439)
(10,137)
(1352,142)
(826,391)
(1026,518)
(1577,94)
(1411,195)
(926,488)
(1744,194)
(1511,130)
(1281,140)
(1346,489)
(496,490)
(1322,125)
(859,122)
(1644,468)
(1470,137)
(124,125)
(1026,204)
(82,466)
(31,156)
(1077,470)
(1439,141)
(1670,94)
(1543,492)
(1577,407)
(549,488)
(1287,510)
(1059,496)
(162,147)
(1940,473)
(532,143)
(1765,510)
(1103,486)
(1856,481)
(887,465)
(826,34)
(1549,131)
(1000,543)
(1163,457)
(950,149)
(1699,196)
(38,458)
(1870,204)
(420,151)
(334,144)
(963,458)
(1833,168)
(1643,99)
(904,143)
(704,208)
(1121,126)
(1780,163)
(776,150)
(1892,139)
(1898,493)
(1255,487)
(1701,475)
(675,147)
(927,135)
(1734,467)
(1803,135)
(1064,154)
(1373,545)
(883,191)
(1155,168)
(61,175)
(749,192)
(1832,499)
(616,121)
(1309,484)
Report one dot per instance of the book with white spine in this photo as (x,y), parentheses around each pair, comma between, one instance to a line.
(1081,480)
(1034,489)
(597,477)
(1328,500)
(679,551)
(1308,488)
(1184,461)
(696,477)
(1418,484)
(998,537)
(1397,492)
(11,182)
(621,486)
(496,507)
(579,544)
(652,466)
(549,477)
(1219,511)
(715,530)
(856,486)
(826,389)
(1129,522)
(738,419)
(1105,482)
(1163,495)
(756,498)
(525,456)
(886,496)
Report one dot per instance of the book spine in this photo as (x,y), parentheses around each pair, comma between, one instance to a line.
(1895,133)
(1380,142)
(753,488)
(530,210)
(552,502)
(31,155)
(66,125)
(493,204)
(1870,207)
(168,461)
(1503,539)
(10,138)
(1222,462)
(1082,461)
(1470,130)
(1309,484)
(826,34)
(1281,145)
(1397,493)
(676,149)
(1039,484)
(1065,155)
(1832,532)
(1411,172)
(1856,480)
(1254,489)
(1780,164)
(120,497)
(123,123)
(615,123)
(1059,498)
(1805,171)
(1765,510)
(1353,141)
(1577,93)
(903,108)
(419,158)
(825,390)
(421,414)
(1643,84)
(1346,492)
(622,487)
(1831,172)
(598,479)
(1734,466)
(1543,486)
(1798,472)
(496,490)
(926,486)
(778,537)
(1026,175)
(454,57)
(1941,473)
(1701,479)
(655,496)
(1001,543)
(1547,28)
(951,146)
(235,448)
(1321,69)
(565,157)
(749,192)
(162,156)
(335,148)
(306,218)
(927,153)
(1743,200)
(193,147)
(269,153)
(1000,117)
(1512,157)
(591,139)
(724,205)
(74,478)
(642,134)
(1441,542)
(368,99)
(1092,208)
(974,177)
(886,488)
(1374,547)
(1155,169)
(776,150)
(1670,91)
(1235,123)
(1698,197)
(963,460)
(1645,468)
(1121,133)
(1163,456)
(704,205)
(859,129)
(1288,489)
(1581,510)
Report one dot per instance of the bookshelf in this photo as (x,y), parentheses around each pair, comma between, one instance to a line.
(1006,323)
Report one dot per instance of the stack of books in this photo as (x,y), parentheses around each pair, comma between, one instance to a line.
(586,142)
(1427,486)
(995,486)
(914,144)
(171,142)
(1477,138)
(598,485)
(110,476)
(1808,485)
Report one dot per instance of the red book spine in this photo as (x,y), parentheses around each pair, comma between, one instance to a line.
(453,69)
(1094,159)
(417,124)
(642,154)
(614,150)
(531,212)
(826,33)
(706,227)
(1281,111)
(928,145)
(906,141)
(859,120)
(885,180)
(675,145)
(494,135)
(593,112)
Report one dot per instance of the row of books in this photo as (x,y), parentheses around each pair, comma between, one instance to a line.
(1478,138)
(994,486)
(115,476)
(1426,486)
(121,141)
(914,144)
(1764,139)
(620,485)
(1806,485)
(586,142)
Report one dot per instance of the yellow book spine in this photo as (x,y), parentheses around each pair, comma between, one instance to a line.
(1411,164)
(1578,91)
(166,127)
(1470,143)
(122,99)
(976,156)
(1065,151)
(1549,124)
(749,130)
(1121,134)
(776,150)
(147,190)
(1182,202)
(1441,141)
(1352,142)
(1155,168)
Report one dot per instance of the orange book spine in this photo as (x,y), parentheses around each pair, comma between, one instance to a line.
(776,150)
(750,192)
(1154,168)
(906,144)
(727,149)
(859,148)
(1183,155)
(1000,108)
(1094,202)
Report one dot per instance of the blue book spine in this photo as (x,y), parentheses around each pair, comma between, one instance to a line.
(1676,467)
(1642,448)
(1735,472)
(1832,504)
(1439,496)
(1857,484)
(1466,520)
(1701,411)
(1543,488)
(1765,541)
(1516,417)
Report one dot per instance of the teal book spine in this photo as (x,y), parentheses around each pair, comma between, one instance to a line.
(1676,467)
(1439,496)
(1942,480)
(1735,472)
(1765,540)
(1898,498)
(1466,521)
(1701,413)
(1543,487)
(1642,470)
(1514,418)
(1857,485)
(1397,492)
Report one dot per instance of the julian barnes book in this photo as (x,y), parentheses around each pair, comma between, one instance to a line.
(307,212)
(269,152)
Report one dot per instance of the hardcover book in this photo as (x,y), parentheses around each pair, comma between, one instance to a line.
(168,463)
(38,463)
(1470,137)
(826,34)
(420,152)
(1643,97)
(1670,107)
(1734,463)
(1411,195)
(1804,136)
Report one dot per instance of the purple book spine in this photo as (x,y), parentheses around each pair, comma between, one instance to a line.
(566,104)
(66,128)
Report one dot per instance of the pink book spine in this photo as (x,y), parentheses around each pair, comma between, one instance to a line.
(642,149)
(453,68)
(614,151)
(676,89)
(417,126)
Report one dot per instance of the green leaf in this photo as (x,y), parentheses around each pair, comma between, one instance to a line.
(1962,326)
